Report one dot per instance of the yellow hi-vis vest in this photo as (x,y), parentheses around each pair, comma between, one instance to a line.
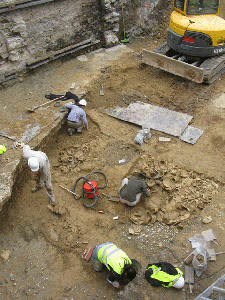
(114,257)
(163,276)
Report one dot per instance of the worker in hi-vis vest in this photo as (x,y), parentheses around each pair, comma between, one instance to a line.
(164,274)
(116,261)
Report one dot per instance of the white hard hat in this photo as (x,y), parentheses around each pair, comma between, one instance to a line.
(82,102)
(178,283)
(33,163)
(26,151)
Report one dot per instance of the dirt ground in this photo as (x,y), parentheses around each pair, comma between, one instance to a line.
(186,181)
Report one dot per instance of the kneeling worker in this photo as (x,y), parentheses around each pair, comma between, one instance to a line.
(164,274)
(116,261)
(76,117)
(131,190)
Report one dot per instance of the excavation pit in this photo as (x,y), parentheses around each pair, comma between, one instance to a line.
(45,249)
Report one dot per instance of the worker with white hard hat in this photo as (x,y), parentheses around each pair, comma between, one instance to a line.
(76,117)
(40,166)
(164,274)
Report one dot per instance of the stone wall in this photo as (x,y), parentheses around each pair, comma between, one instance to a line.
(31,33)
(34,32)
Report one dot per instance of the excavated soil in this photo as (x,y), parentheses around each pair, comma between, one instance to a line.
(42,251)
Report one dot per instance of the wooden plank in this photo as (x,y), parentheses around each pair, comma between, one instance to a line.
(63,52)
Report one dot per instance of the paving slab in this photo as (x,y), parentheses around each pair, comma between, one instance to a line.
(155,117)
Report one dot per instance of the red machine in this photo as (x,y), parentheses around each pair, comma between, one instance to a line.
(91,189)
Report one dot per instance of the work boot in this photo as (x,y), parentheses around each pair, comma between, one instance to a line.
(71,131)
(36,188)
(97,265)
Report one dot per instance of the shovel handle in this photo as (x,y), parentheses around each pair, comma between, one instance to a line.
(47,102)
(50,198)
(67,190)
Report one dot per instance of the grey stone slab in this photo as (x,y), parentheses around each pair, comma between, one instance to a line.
(30,132)
(155,117)
(191,135)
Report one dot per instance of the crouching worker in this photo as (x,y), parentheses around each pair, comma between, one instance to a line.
(76,117)
(40,166)
(164,274)
(115,260)
(131,190)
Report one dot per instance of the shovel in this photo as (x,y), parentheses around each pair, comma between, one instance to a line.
(101,91)
(125,40)
(111,198)
(50,198)
(8,137)
(35,107)
(189,277)
(212,254)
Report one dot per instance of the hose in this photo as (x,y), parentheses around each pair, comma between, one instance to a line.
(85,179)
(98,172)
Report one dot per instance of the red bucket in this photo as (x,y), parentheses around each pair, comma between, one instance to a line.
(91,188)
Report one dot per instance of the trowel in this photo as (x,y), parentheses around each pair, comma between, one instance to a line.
(112,198)
(189,277)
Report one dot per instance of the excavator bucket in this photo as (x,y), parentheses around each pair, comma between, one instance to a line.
(173,66)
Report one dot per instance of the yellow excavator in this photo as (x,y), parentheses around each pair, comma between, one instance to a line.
(195,46)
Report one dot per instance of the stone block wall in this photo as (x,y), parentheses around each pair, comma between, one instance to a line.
(32,33)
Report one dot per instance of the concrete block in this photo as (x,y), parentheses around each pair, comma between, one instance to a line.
(111,38)
(14,43)
(14,56)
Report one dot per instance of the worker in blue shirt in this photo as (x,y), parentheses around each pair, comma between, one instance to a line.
(76,117)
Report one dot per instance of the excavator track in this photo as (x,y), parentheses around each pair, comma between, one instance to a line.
(201,70)
(214,67)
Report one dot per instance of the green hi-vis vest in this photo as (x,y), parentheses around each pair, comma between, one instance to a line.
(114,257)
(163,276)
